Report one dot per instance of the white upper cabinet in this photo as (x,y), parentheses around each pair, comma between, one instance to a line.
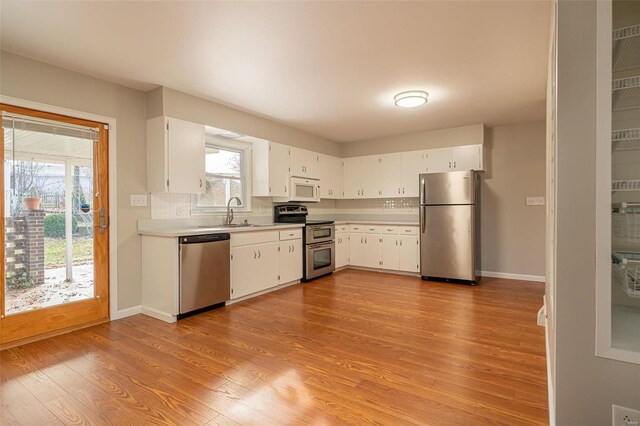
(413,163)
(362,177)
(175,156)
(270,169)
(467,158)
(330,176)
(390,175)
(303,163)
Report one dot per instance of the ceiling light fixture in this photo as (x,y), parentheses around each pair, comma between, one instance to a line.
(411,99)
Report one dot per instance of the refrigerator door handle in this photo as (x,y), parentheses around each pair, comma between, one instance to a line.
(422,219)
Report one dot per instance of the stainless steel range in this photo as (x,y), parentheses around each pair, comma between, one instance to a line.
(319,235)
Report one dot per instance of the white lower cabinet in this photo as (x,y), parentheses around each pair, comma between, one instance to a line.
(342,249)
(393,248)
(290,261)
(408,253)
(253,268)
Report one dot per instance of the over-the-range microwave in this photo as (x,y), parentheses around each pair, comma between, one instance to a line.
(304,190)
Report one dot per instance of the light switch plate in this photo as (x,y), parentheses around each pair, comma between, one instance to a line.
(535,201)
(138,200)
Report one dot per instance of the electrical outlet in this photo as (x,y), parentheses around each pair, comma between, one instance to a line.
(181,211)
(535,201)
(138,200)
(623,416)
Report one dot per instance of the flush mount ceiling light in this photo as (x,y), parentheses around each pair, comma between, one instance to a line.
(411,99)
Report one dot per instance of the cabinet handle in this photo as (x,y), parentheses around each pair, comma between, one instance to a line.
(293,248)
(449,164)
(454,164)
(403,190)
(254,254)
(365,241)
(398,190)
(396,242)
(400,244)
(285,189)
(361,240)
(200,183)
(259,253)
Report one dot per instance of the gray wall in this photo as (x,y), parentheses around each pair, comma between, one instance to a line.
(465,135)
(586,385)
(35,81)
(512,232)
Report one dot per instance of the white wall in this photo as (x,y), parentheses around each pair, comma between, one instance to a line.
(39,82)
(586,385)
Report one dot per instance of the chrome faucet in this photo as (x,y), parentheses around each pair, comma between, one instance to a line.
(230,210)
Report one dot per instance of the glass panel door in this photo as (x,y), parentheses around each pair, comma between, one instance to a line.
(53,182)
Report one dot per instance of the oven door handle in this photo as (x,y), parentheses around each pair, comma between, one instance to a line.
(321,245)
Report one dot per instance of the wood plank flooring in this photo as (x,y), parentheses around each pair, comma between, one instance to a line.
(357,348)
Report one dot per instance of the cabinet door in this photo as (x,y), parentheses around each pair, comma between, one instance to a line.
(296,162)
(330,171)
(278,170)
(356,249)
(342,250)
(186,161)
(290,261)
(409,253)
(440,160)
(352,177)
(413,163)
(372,251)
(391,175)
(304,163)
(390,252)
(370,177)
(253,268)
(466,157)
(312,168)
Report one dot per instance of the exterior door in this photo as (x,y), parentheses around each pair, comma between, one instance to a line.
(55,234)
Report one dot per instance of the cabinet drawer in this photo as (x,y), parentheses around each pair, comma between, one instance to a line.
(246,238)
(372,229)
(356,228)
(390,230)
(290,234)
(342,228)
(407,230)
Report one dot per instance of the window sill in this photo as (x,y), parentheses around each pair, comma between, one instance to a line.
(219,212)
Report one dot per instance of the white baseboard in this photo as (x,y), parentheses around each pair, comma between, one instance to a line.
(261,292)
(521,277)
(162,316)
(134,310)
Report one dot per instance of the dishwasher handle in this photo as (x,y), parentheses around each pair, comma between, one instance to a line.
(208,238)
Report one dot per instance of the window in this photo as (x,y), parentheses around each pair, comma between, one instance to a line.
(226,177)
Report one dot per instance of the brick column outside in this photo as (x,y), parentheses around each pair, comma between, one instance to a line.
(34,245)
(15,256)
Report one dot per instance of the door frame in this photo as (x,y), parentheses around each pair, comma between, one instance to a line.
(114,313)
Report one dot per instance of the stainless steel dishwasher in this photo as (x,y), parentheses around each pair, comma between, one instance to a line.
(205,277)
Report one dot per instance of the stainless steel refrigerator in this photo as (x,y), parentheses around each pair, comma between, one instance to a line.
(450,226)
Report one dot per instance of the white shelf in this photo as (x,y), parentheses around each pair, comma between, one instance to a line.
(625,328)
(625,185)
(626,93)
(625,139)
(626,48)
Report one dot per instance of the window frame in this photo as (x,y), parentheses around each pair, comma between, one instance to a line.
(245,176)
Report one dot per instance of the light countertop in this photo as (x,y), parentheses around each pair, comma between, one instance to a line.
(375,222)
(177,231)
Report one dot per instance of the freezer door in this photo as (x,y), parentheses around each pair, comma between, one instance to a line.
(447,242)
(448,188)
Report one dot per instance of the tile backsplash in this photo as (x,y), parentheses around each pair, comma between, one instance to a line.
(178,206)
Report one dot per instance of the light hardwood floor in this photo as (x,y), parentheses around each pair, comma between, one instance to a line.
(354,348)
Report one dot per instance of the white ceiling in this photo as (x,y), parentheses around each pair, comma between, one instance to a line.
(329,68)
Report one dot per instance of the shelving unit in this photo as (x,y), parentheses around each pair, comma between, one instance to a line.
(626,48)
(625,185)
(626,93)
(626,271)
(626,221)
(625,139)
